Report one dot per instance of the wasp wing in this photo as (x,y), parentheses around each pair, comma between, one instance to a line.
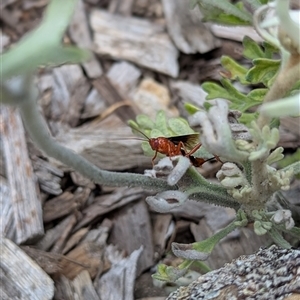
(189,140)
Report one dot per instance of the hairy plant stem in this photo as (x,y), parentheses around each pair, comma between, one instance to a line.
(38,131)
(205,191)
(286,79)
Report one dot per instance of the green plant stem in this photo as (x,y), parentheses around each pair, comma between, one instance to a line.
(286,79)
(261,193)
(205,191)
(38,131)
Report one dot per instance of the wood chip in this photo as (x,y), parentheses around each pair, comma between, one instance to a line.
(48,175)
(24,193)
(84,288)
(151,96)
(69,89)
(53,234)
(161,224)
(121,7)
(75,239)
(132,228)
(59,206)
(236,33)
(21,277)
(80,34)
(186,28)
(124,76)
(107,203)
(118,282)
(88,256)
(94,105)
(112,96)
(7,220)
(137,40)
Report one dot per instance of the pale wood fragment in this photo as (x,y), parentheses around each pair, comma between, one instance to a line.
(48,175)
(107,203)
(24,193)
(59,206)
(80,34)
(151,96)
(112,96)
(53,234)
(69,88)
(118,282)
(188,92)
(186,28)
(236,33)
(161,224)
(94,105)
(75,239)
(64,234)
(21,277)
(121,7)
(137,40)
(124,76)
(88,256)
(84,288)
(64,289)
(132,228)
(7,220)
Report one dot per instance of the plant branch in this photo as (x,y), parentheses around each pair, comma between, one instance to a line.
(37,128)
(285,80)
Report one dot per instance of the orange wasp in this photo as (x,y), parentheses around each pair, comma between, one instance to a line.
(176,145)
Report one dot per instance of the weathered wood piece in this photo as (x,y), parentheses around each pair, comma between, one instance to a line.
(53,234)
(59,206)
(121,7)
(151,96)
(94,105)
(279,269)
(21,277)
(48,175)
(112,96)
(186,91)
(69,88)
(107,203)
(124,76)
(132,228)
(118,282)
(7,220)
(84,288)
(187,31)
(161,225)
(80,34)
(236,33)
(103,144)
(24,193)
(139,41)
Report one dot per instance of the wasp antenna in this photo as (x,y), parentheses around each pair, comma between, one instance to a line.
(138,130)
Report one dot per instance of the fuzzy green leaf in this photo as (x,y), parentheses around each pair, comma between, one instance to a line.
(257,95)
(161,123)
(144,122)
(264,70)
(43,45)
(251,49)
(180,126)
(191,108)
(224,12)
(236,70)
